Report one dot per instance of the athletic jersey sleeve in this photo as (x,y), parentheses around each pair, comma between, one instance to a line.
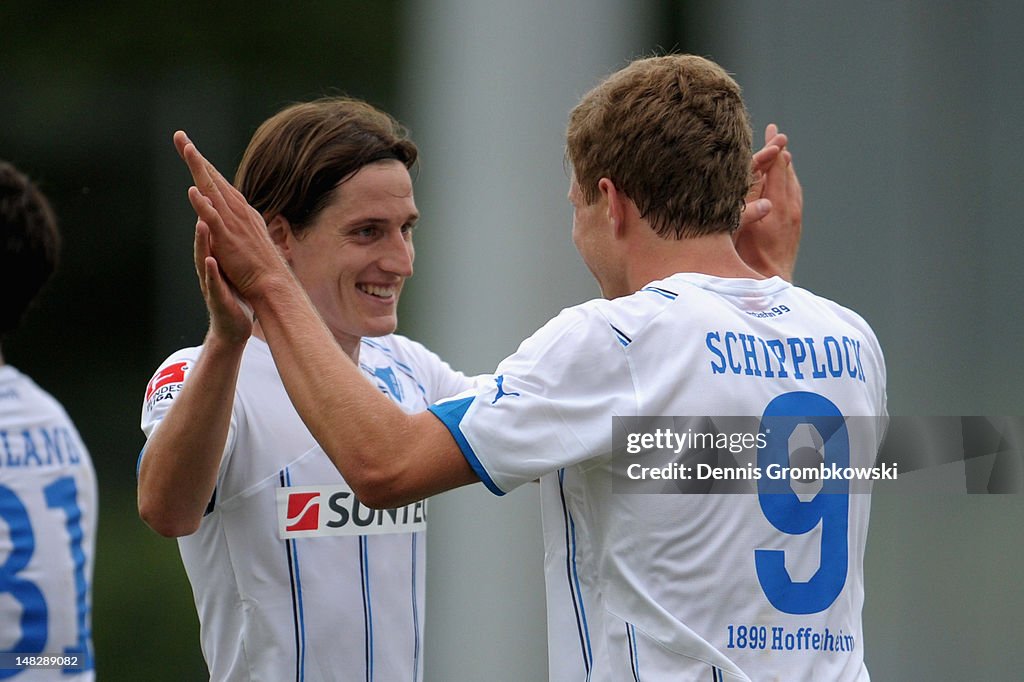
(548,406)
(163,389)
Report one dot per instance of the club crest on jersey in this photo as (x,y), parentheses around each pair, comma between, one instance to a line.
(166,383)
(319,511)
(387,376)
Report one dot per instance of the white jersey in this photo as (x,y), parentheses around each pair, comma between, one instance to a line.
(48,513)
(764,585)
(293,578)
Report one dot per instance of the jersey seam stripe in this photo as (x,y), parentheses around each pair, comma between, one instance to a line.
(623,339)
(294,594)
(415,618)
(634,659)
(298,584)
(577,599)
(671,295)
(364,571)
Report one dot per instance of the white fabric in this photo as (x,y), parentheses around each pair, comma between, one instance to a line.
(48,513)
(292,578)
(665,586)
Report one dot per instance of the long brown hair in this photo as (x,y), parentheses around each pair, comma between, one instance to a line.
(298,156)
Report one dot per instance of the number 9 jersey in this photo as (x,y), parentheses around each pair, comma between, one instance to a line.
(649,583)
(48,512)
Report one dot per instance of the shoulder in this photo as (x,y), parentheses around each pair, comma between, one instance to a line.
(839,311)
(15,385)
(616,321)
(187,355)
(578,339)
(393,346)
(40,418)
(169,376)
(401,352)
(177,363)
(868,343)
(598,323)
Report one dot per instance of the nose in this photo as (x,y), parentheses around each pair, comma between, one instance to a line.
(398,255)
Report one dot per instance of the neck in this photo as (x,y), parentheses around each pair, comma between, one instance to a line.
(657,258)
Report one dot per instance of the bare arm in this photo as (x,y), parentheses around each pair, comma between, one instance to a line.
(390,458)
(769,235)
(178,472)
(387,456)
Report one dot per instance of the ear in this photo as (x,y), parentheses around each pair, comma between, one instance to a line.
(281,234)
(614,204)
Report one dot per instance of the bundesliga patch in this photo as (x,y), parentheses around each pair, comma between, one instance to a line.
(166,383)
(316,511)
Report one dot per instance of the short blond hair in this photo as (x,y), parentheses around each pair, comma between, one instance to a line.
(673,134)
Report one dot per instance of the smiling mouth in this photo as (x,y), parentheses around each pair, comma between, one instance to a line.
(378,291)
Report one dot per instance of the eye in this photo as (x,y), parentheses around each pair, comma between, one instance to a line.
(408,229)
(367,232)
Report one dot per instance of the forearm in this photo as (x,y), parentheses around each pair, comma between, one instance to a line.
(179,466)
(359,429)
(387,456)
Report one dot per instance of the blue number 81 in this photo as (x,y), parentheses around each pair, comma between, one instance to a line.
(61,495)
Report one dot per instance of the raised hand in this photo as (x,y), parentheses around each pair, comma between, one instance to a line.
(768,238)
(238,241)
(230,318)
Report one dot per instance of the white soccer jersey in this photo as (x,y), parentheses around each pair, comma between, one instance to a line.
(293,578)
(48,512)
(765,585)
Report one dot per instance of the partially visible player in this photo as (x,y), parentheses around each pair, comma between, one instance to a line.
(760,586)
(48,497)
(293,577)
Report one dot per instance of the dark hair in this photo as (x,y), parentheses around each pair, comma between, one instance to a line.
(30,245)
(673,134)
(298,156)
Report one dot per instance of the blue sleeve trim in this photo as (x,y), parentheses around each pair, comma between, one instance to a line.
(451,414)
